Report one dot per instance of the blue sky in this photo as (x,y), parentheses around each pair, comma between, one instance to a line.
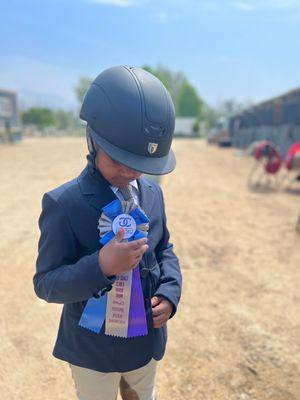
(242,49)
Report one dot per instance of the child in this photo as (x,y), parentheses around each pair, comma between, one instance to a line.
(104,248)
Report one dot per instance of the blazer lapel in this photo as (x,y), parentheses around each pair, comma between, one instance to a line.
(95,188)
(147,196)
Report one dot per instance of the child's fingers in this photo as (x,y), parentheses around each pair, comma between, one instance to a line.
(159,321)
(155,301)
(140,251)
(158,310)
(136,244)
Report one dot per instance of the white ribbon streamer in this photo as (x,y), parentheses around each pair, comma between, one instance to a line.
(118,303)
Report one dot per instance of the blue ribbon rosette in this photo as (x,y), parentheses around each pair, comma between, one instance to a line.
(128,215)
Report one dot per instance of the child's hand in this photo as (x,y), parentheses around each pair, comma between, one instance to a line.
(117,256)
(161,309)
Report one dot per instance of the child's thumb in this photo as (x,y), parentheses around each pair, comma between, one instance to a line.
(120,234)
(154,301)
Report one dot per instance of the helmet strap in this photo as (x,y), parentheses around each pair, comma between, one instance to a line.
(90,143)
(91,157)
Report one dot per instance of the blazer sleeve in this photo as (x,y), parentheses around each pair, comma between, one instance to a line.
(61,277)
(170,281)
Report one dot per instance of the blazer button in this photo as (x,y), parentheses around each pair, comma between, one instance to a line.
(144,272)
(96,295)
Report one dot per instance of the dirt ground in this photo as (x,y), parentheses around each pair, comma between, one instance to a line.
(237,332)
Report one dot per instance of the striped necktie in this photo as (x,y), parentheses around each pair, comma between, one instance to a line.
(127,193)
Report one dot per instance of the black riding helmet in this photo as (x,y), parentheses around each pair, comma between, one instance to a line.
(130,115)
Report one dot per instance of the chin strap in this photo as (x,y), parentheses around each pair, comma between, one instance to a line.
(91,157)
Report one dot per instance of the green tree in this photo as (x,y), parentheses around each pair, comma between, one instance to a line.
(40,117)
(172,80)
(64,119)
(230,107)
(81,87)
(188,103)
(186,100)
(210,115)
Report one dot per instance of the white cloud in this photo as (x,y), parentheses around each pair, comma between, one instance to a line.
(119,3)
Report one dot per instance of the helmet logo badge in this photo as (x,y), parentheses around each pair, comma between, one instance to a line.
(152,147)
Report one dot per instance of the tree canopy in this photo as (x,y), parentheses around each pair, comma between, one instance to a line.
(44,118)
(40,117)
(184,95)
(188,103)
(81,87)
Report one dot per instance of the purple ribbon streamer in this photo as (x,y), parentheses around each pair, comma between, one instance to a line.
(137,324)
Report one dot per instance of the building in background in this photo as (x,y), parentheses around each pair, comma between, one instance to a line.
(10,129)
(187,127)
(276,120)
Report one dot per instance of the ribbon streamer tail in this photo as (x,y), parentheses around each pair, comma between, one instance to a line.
(137,325)
(93,315)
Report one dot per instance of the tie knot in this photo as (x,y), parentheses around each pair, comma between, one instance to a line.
(126,192)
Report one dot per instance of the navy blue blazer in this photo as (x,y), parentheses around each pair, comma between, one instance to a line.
(68,272)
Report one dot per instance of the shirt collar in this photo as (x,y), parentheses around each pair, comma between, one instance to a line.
(132,183)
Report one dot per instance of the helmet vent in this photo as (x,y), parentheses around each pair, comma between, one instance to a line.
(155,131)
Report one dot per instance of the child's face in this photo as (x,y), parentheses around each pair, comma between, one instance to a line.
(115,173)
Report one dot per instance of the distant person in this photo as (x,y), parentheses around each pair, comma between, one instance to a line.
(104,248)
